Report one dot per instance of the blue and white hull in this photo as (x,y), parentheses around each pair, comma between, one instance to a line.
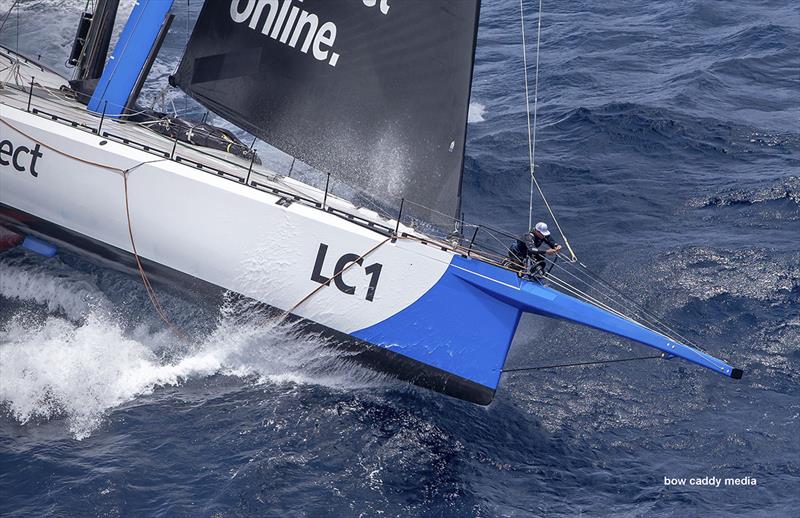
(411,306)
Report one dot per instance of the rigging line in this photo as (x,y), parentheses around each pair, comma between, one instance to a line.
(639,319)
(365,195)
(580,364)
(84,48)
(277,178)
(532,128)
(118,170)
(446,217)
(572,257)
(503,245)
(625,303)
(632,302)
(651,324)
(14,72)
(314,191)
(186,45)
(629,304)
(592,300)
(535,112)
(151,293)
(522,261)
(527,101)
(5,19)
(589,299)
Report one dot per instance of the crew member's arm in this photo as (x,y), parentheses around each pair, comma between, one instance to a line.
(554,247)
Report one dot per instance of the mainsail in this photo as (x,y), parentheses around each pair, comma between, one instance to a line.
(375,92)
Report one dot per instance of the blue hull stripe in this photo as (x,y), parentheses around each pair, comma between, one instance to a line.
(454,327)
(465,323)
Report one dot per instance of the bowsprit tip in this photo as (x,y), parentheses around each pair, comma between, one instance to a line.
(737,374)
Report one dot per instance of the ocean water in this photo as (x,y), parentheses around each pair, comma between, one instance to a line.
(669,146)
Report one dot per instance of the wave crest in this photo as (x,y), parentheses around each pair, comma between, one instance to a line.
(781,189)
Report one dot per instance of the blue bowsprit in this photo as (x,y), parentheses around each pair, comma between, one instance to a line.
(465,323)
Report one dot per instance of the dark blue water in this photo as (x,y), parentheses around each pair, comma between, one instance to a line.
(669,144)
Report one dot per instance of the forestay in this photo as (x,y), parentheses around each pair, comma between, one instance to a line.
(375,92)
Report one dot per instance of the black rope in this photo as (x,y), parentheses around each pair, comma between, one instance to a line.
(552,263)
(628,302)
(644,314)
(598,362)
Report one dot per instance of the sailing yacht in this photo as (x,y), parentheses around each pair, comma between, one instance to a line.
(341,86)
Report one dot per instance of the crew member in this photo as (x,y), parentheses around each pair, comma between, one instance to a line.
(528,247)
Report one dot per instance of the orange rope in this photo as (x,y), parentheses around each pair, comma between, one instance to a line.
(335,275)
(151,294)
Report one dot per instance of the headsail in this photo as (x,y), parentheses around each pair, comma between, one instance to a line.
(373,91)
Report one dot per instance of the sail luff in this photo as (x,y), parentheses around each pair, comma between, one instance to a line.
(458,212)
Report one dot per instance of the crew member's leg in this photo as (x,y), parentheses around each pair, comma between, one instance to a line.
(516,257)
(539,264)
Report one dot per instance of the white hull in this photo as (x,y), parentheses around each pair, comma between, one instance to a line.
(219,231)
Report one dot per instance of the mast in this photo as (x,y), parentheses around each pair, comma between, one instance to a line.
(133,56)
(93,59)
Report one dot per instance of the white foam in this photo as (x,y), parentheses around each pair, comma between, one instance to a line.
(476,112)
(53,285)
(81,369)
(61,368)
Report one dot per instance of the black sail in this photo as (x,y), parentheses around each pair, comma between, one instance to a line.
(372,91)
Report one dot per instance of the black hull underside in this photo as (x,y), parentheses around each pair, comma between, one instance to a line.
(358,351)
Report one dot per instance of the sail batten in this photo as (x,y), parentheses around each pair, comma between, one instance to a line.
(373,92)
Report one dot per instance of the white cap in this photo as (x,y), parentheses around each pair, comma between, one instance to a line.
(542,227)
